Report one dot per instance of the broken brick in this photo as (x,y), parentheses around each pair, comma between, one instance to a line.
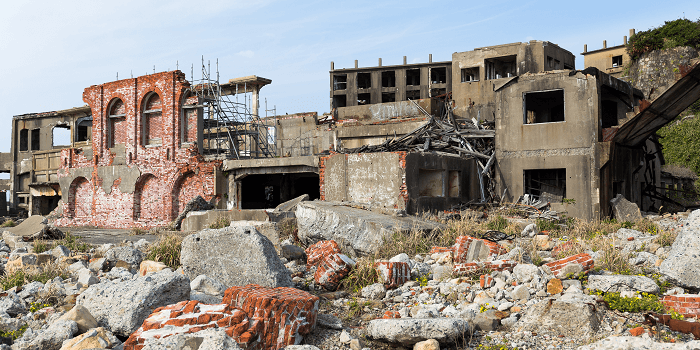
(393,274)
(332,269)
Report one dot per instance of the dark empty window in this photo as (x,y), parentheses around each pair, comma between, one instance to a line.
(364,80)
(553,63)
(24,140)
(549,185)
(364,99)
(617,61)
(609,112)
(339,101)
(36,142)
(413,94)
(413,77)
(544,107)
(389,79)
(388,97)
(432,183)
(500,67)
(437,92)
(438,75)
(84,130)
(61,135)
(470,74)
(340,82)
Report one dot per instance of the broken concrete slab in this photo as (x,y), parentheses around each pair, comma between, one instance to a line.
(683,262)
(266,228)
(235,256)
(291,205)
(359,232)
(625,210)
(32,225)
(201,219)
(560,317)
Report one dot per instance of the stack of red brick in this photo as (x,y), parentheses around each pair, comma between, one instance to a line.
(255,317)
(393,274)
(686,304)
(331,265)
(585,260)
(460,252)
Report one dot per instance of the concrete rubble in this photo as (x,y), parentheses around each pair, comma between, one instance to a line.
(420,302)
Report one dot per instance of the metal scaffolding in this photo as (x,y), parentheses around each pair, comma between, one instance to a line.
(230,128)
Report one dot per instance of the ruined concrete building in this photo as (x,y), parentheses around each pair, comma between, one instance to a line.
(144,147)
(610,60)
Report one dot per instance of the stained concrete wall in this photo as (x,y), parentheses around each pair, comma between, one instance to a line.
(476,99)
(602,59)
(394,180)
(570,144)
(386,111)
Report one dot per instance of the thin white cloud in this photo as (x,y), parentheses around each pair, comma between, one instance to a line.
(246,53)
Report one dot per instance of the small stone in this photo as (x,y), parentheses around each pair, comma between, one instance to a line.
(554,286)
(374,291)
(637,331)
(430,344)
(149,266)
(345,337)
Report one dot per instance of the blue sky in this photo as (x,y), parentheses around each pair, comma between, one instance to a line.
(51,50)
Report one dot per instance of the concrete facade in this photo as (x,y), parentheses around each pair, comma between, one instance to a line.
(553,140)
(610,60)
(414,182)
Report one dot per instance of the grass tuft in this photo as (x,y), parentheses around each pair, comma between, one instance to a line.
(166,250)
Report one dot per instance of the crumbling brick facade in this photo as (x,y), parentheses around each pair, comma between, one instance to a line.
(144,164)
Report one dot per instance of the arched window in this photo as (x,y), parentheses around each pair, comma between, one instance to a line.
(116,122)
(151,120)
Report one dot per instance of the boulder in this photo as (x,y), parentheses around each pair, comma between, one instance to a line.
(235,256)
(524,273)
(207,285)
(409,331)
(122,306)
(362,230)
(683,262)
(374,291)
(129,255)
(12,304)
(50,338)
(150,266)
(557,317)
(292,252)
(329,321)
(430,344)
(625,210)
(80,315)
(96,338)
(206,339)
(620,283)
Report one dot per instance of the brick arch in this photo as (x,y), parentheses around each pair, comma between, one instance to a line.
(187,187)
(148,199)
(116,122)
(80,198)
(151,118)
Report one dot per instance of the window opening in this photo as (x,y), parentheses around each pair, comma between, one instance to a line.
(549,185)
(36,142)
(544,107)
(470,74)
(438,75)
(389,79)
(340,82)
(388,97)
(609,118)
(84,127)
(339,101)
(364,80)
(61,135)
(152,124)
(413,77)
(432,183)
(413,94)
(617,61)
(23,140)
(553,63)
(364,99)
(437,92)
(117,121)
(500,67)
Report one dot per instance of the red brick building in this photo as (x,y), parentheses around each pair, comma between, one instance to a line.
(143,162)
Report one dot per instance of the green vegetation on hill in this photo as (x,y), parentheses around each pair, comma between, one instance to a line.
(681,32)
(681,142)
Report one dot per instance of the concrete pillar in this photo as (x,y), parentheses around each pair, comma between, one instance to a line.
(3,203)
(255,104)
(430,58)
(631,32)
(585,48)
(625,39)
(332,66)
(355,63)
(605,44)
(380,61)
(404,60)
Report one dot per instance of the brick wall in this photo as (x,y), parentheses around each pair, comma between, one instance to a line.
(686,304)
(170,174)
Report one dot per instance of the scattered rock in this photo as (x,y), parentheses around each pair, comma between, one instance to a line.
(207,285)
(430,344)
(683,262)
(567,318)
(554,286)
(92,339)
(409,331)
(149,266)
(80,315)
(619,283)
(329,321)
(129,255)
(374,291)
(292,252)
(625,210)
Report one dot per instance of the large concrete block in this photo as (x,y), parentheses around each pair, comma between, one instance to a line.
(361,230)
(625,210)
